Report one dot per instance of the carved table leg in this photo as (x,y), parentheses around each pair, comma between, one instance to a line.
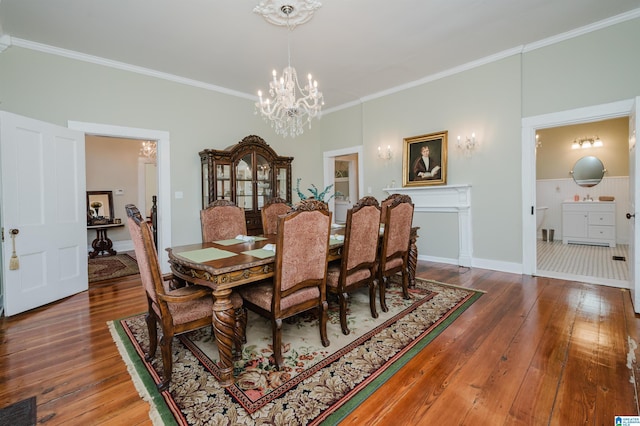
(223,327)
(413,256)
(102,244)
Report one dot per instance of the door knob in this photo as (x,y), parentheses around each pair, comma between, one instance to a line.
(14,231)
(629,215)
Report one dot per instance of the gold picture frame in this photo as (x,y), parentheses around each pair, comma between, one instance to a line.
(414,170)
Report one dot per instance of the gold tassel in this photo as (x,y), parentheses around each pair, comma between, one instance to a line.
(14,263)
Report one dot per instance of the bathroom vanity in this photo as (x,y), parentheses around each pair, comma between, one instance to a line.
(589,222)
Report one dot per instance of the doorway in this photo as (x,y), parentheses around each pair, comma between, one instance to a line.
(355,181)
(163,171)
(558,154)
(345,185)
(529,127)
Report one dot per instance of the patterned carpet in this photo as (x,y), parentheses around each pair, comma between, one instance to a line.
(108,267)
(583,260)
(316,385)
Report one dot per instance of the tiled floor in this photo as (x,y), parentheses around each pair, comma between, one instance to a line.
(583,261)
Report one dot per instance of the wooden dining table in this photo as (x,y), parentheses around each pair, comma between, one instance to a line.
(224,265)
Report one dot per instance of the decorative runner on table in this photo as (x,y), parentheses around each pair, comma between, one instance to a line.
(315,383)
(204,255)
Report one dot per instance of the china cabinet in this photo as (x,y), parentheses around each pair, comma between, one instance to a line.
(248,173)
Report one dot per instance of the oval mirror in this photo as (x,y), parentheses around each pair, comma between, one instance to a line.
(588,171)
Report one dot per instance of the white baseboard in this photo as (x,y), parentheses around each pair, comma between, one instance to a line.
(513,268)
(586,279)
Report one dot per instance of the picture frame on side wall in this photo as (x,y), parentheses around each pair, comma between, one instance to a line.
(424,160)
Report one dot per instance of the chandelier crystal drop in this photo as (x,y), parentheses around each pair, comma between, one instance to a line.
(283,109)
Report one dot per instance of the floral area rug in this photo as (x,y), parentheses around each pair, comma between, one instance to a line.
(316,385)
(107,267)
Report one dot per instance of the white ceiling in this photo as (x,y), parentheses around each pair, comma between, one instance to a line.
(354,48)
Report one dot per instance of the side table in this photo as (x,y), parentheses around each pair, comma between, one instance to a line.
(102,243)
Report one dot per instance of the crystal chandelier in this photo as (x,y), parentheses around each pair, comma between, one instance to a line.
(149,149)
(287,112)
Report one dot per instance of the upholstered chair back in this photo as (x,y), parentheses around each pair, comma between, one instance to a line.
(146,255)
(222,220)
(303,245)
(386,203)
(270,211)
(361,242)
(397,231)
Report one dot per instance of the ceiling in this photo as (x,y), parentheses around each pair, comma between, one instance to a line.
(355,48)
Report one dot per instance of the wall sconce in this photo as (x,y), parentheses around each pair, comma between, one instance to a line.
(468,143)
(384,154)
(593,142)
(538,141)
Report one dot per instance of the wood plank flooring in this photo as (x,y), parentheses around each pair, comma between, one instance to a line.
(531,351)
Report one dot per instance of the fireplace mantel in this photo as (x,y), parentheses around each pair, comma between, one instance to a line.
(446,198)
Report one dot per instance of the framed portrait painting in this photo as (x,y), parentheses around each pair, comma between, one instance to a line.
(424,160)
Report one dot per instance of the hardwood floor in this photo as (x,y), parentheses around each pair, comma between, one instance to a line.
(530,351)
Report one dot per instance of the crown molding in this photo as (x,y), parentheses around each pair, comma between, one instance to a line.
(126,67)
(623,17)
(7,41)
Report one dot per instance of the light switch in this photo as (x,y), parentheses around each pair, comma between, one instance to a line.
(368,190)
(179,195)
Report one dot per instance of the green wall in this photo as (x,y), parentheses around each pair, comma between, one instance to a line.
(490,100)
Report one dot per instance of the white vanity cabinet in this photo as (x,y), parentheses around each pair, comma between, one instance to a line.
(589,222)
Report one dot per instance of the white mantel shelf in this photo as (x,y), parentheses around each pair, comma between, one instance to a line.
(446,198)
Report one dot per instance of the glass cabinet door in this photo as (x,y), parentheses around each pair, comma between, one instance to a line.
(263,180)
(281,183)
(223,181)
(205,184)
(244,182)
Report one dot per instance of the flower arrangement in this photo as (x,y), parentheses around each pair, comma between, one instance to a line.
(314,192)
(96,206)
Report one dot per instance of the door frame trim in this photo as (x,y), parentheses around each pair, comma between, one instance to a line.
(529,127)
(164,173)
(329,169)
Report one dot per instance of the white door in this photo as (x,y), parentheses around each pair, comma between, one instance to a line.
(634,194)
(43,199)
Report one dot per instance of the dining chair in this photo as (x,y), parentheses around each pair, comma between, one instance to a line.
(357,266)
(394,255)
(270,211)
(222,220)
(298,285)
(176,308)
(384,204)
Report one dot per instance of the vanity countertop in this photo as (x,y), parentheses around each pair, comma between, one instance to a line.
(588,202)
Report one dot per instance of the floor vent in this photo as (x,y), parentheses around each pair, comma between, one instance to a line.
(622,258)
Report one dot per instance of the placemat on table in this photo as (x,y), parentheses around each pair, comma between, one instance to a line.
(204,255)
